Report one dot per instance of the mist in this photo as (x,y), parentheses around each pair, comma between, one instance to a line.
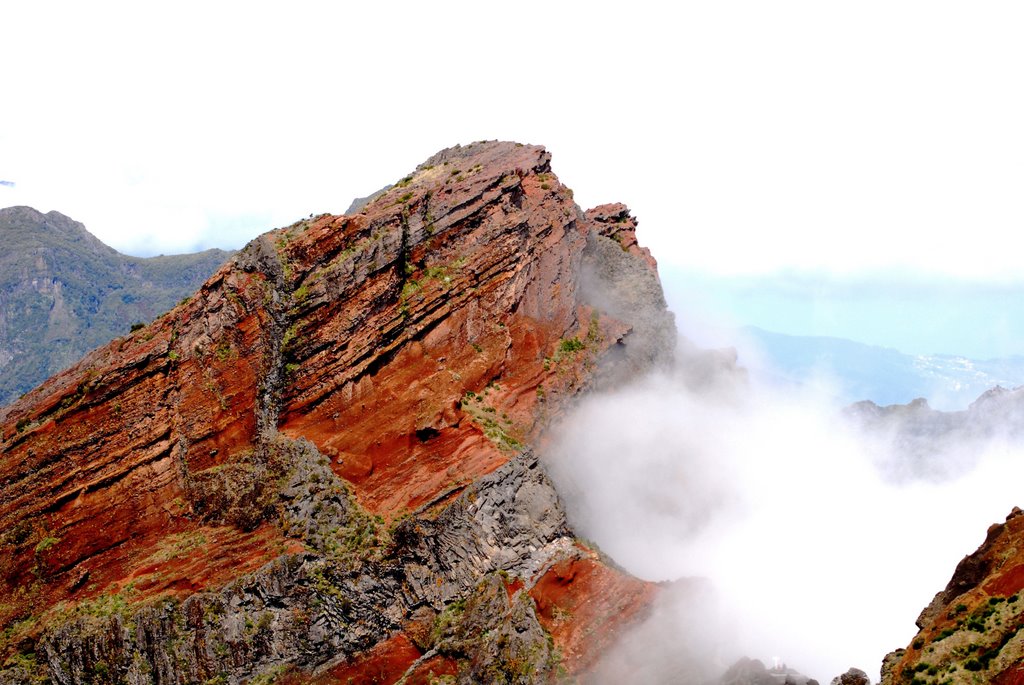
(815,543)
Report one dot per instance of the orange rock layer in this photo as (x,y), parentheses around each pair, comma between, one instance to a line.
(419,344)
(973,631)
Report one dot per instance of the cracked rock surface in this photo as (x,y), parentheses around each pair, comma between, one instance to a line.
(303,472)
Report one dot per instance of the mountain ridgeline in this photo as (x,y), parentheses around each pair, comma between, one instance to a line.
(880,374)
(63,293)
(321,467)
(328,463)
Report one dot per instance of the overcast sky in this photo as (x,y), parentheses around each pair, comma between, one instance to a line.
(747,136)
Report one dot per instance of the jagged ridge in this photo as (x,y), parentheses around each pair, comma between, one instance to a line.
(330,404)
(63,293)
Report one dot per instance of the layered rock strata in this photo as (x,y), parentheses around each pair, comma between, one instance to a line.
(318,468)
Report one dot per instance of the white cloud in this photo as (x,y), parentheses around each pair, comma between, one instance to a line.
(747,136)
(816,556)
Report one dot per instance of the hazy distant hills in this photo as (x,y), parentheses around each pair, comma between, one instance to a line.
(883,375)
(63,292)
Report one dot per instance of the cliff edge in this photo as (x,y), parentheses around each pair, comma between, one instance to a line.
(971,631)
(322,466)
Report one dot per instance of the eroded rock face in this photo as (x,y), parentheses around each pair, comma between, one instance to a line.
(971,631)
(304,470)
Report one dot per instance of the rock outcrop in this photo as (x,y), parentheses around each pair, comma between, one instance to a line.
(748,671)
(321,467)
(939,445)
(972,631)
(853,676)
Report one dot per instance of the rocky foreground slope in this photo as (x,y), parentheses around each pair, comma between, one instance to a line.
(63,293)
(323,466)
(972,631)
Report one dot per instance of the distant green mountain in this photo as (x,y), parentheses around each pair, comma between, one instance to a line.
(63,293)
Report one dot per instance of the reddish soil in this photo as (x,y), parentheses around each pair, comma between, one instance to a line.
(584,604)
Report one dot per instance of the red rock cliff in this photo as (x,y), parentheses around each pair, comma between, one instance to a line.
(972,630)
(320,463)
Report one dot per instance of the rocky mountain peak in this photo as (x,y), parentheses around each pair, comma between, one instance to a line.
(324,462)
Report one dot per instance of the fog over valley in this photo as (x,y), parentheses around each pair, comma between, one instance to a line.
(819,537)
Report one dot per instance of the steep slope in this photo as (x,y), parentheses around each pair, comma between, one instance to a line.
(320,465)
(63,293)
(972,630)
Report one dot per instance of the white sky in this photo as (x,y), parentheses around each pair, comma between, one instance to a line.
(748,137)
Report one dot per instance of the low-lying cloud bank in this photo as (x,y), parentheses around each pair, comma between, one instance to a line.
(812,550)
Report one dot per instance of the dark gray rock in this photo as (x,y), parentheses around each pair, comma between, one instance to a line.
(747,672)
(625,286)
(499,636)
(854,676)
(510,520)
(313,609)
